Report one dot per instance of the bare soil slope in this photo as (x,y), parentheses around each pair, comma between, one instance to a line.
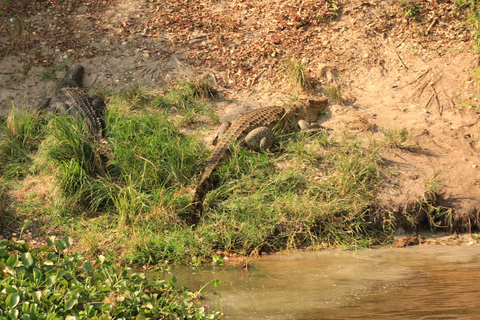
(400,64)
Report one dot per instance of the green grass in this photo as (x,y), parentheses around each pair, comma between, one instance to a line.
(334,92)
(297,75)
(399,138)
(23,131)
(312,189)
(411,8)
(188,100)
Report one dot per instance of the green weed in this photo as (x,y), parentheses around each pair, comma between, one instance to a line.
(334,8)
(438,216)
(433,183)
(295,70)
(411,9)
(399,138)
(23,132)
(334,92)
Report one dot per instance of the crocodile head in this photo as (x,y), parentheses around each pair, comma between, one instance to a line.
(308,108)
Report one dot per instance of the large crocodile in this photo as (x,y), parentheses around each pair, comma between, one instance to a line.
(69,97)
(254,130)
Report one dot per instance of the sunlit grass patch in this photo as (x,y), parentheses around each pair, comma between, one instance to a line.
(297,74)
(149,154)
(399,138)
(187,98)
(319,195)
(23,131)
(334,92)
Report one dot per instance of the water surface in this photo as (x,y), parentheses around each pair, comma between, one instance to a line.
(421,282)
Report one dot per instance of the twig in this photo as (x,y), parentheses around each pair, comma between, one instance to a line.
(448,97)
(419,77)
(400,58)
(142,158)
(398,45)
(439,105)
(419,90)
(426,105)
(431,25)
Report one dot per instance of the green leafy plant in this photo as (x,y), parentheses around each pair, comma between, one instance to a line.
(411,8)
(53,283)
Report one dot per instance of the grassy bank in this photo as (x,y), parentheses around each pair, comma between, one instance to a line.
(312,191)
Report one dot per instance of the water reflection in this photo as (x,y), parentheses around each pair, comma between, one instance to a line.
(422,282)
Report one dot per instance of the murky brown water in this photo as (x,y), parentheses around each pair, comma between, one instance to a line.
(422,282)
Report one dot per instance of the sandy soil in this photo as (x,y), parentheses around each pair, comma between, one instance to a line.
(395,70)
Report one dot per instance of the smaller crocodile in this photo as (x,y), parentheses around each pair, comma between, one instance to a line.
(69,97)
(254,130)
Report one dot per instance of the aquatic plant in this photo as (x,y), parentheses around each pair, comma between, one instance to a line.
(54,283)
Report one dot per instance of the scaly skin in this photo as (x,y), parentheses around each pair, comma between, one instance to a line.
(283,119)
(72,99)
(75,101)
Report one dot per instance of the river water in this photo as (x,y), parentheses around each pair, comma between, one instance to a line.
(420,282)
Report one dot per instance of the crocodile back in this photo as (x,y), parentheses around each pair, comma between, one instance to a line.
(77,102)
(263,117)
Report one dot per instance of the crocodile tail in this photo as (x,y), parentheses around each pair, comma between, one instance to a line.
(105,148)
(196,208)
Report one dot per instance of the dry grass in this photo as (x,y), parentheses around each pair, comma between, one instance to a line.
(298,77)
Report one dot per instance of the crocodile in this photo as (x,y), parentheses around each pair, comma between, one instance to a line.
(69,97)
(255,131)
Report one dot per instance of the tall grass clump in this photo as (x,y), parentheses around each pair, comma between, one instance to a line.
(399,138)
(22,134)
(77,162)
(3,201)
(149,156)
(334,92)
(297,75)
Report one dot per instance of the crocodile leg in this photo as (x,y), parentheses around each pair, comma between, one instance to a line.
(305,126)
(221,131)
(260,138)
